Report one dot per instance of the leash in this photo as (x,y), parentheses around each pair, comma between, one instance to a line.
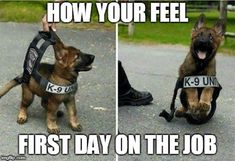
(199,82)
(166,115)
(32,60)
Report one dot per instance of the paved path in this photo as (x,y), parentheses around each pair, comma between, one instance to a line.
(96,88)
(154,68)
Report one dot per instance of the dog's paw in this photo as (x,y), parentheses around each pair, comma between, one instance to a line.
(193,108)
(53,130)
(202,115)
(77,128)
(204,107)
(180,112)
(21,119)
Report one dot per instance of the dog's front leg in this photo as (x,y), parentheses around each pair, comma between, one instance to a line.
(192,97)
(51,117)
(27,99)
(72,112)
(205,99)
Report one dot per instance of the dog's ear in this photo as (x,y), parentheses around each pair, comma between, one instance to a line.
(59,48)
(58,45)
(219,27)
(61,54)
(200,22)
(62,57)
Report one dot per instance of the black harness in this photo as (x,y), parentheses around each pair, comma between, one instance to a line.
(180,84)
(32,60)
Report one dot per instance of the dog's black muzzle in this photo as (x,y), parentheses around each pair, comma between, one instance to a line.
(203,45)
(87,60)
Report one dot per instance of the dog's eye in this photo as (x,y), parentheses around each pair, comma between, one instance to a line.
(211,37)
(199,34)
(76,58)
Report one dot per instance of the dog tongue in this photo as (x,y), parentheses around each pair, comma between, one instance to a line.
(201,55)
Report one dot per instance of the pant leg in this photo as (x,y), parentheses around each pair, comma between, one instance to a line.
(123,83)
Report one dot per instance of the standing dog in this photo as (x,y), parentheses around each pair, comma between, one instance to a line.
(69,61)
(200,61)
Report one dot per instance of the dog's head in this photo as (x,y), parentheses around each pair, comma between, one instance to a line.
(72,59)
(205,41)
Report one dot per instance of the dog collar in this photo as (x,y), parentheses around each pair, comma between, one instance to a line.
(53,88)
(32,60)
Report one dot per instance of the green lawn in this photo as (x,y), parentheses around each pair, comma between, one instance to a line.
(166,33)
(33,11)
(22,11)
(176,33)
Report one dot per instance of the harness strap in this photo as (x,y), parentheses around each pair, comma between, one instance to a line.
(192,120)
(32,60)
(164,113)
(34,54)
(40,80)
(178,85)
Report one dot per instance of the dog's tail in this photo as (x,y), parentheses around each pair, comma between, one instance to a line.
(14,82)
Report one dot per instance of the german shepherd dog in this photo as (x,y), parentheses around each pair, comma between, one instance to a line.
(68,63)
(200,61)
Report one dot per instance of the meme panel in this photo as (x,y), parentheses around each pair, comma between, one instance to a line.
(117,80)
(57,85)
(175,81)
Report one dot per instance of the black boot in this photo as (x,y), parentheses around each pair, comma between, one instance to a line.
(134,98)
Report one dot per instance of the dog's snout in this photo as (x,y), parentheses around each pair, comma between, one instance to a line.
(203,43)
(89,58)
(203,40)
(92,57)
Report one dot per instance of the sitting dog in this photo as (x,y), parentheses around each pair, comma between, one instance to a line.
(200,61)
(69,62)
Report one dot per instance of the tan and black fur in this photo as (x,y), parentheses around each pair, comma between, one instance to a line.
(68,63)
(200,61)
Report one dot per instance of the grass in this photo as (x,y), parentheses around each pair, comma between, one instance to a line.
(176,33)
(22,11)
(163,33)
(33,11)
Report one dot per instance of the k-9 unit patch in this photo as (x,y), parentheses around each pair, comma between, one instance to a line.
(52,88)
(200,81)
